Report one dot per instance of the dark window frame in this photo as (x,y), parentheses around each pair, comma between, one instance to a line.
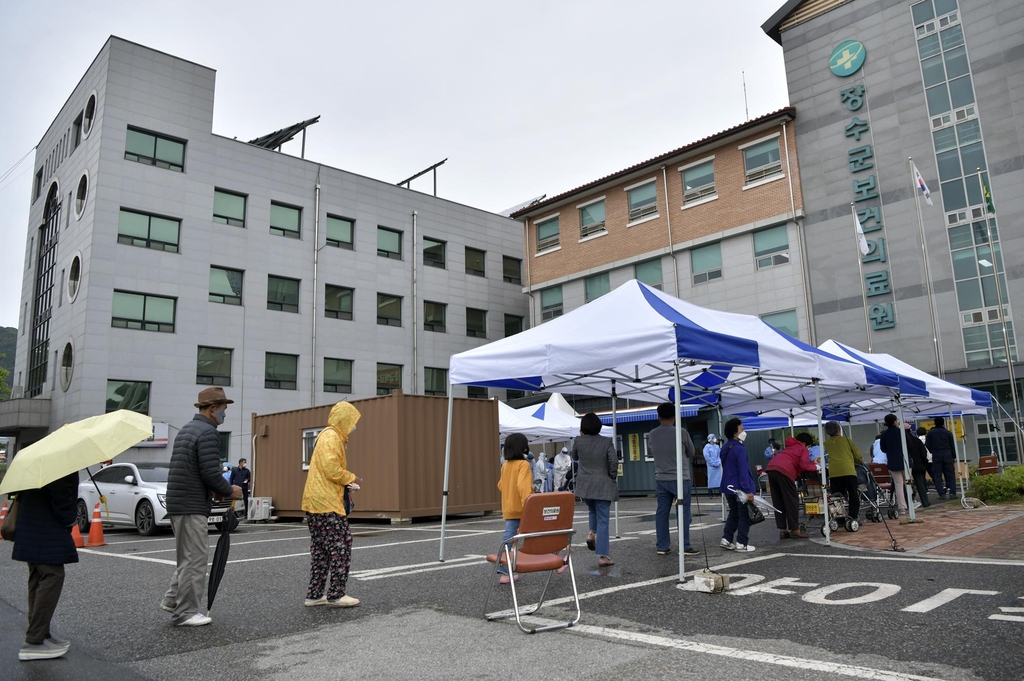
(279,306)
(281,384)
(226,299)
(483,257)
(281,231)
(435,393)
(154,160)
(476,333)
(393,255)
(441,263)
(339,314)
(149,242)
(125,322)
(338,243)
(335,387)
(518,279)
(149,393)
(214,379)
(432,326)
(389,321)
(387,390)
(226,219)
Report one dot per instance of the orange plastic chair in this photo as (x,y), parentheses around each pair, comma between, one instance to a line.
(880,472)
(546,529)
(987,465)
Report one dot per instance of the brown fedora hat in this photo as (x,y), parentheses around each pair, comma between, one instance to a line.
(212,396)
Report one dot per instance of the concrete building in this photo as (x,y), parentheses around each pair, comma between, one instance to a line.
(878,82)
(163,258)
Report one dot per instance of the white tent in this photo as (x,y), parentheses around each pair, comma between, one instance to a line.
(640,343)
(556,413)
(512,421)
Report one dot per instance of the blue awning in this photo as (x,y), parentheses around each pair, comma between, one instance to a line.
(685,411)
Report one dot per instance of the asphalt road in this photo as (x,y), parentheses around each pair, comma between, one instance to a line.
(834,614)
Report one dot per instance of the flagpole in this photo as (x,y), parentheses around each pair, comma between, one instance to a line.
(999,300)
(927,274)
(860,267)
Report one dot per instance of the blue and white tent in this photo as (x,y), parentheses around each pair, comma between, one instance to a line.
(642,344)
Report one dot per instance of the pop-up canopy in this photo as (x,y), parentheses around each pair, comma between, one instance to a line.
(640,343)
(511,421)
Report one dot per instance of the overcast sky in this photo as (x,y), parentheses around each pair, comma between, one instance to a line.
(523,98)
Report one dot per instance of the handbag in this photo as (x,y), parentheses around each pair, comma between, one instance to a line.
(10,522)
(754,513)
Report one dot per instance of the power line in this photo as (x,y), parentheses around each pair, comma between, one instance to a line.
(11,169)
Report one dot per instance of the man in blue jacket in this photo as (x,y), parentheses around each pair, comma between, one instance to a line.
(240,476)
(891,443)
(43,540)
(194,477)
(939,442)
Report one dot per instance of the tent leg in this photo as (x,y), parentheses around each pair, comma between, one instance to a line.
(447,465)
(821,462)
(615,435)
(956,457)
(907,470)
(680,526)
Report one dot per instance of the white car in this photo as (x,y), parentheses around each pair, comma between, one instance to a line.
(136,497)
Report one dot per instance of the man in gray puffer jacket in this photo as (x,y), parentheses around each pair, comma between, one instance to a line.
(193,478)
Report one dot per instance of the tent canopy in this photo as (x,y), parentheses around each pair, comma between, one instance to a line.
(512,421)
(629,339)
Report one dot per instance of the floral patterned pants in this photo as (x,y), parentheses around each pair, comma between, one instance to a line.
(330,553)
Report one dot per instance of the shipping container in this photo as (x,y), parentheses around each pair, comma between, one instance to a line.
(398,451)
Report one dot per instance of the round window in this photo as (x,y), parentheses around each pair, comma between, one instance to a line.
(81,194)
(67,365)
(74,277)
(52,201)
(89,115)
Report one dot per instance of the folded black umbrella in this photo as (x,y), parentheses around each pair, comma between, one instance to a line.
(220,554)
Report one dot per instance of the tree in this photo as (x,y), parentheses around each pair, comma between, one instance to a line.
(5,390)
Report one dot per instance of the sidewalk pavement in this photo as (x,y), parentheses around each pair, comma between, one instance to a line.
(948,530)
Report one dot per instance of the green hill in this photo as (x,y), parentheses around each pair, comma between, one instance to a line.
(8,344)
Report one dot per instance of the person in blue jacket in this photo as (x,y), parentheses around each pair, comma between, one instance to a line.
(714,462)
(736,473)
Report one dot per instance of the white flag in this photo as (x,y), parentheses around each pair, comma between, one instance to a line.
(861,240)
(921,186)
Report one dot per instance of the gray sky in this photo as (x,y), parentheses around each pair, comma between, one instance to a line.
(524,98)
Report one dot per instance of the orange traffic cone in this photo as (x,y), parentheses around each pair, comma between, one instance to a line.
(77,536)
(96,528)
(3,512)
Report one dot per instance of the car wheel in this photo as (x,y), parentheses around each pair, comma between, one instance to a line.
(83,518)
(145,522)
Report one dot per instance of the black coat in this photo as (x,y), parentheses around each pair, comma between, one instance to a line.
(940,442)
(239,476)
(893,448)
(45,519)
(918,454)
(195,472)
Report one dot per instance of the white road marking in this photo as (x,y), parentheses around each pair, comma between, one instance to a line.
(1009,618)
(771,587)
(943,597)
(369,546)
(396,568)
(129,556)
(881,592)
(434,568)
(171,537)
(739,653)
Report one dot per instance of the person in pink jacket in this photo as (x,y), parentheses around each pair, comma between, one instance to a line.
(783,471)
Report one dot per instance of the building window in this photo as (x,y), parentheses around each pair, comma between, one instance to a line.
(130,395)
(281,371)
(551,303)
(513,325)
(643,201)
(547,234)
(476,262)
(389,243)
(309,437)
(155,150)
(649,273)
(434,315)
(434,253)
(213,366)
(389,378)
(67,366)
(38,191)
(74,278)
(148,231)
(761,160)
(143,312)
(435,382)
(228,208)
(771,247)
(706,263)
(340,232)
(81,195)
(596,286)
(389,310)
(477,392)
(512,270)
(699,182)
(514,394)
(285,220)
(592,218)
(783,321)
(224,443)
(282,294)
(476,323)
(337,375)
(225,286)
(89,115)
(338,302)
(77,130)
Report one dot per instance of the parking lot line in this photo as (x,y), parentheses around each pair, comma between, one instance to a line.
(370,546)
(129,556)
(917,559)
(738,653)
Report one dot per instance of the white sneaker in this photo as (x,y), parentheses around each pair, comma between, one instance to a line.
(196,620)
(727,545)
(344,602)
(744,548)
(313,602)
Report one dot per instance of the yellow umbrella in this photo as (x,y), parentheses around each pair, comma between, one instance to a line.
(74,447)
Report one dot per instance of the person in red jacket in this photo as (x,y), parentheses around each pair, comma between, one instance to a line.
(785,467)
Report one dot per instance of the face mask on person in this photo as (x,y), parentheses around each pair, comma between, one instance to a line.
(220,415)
(742,436)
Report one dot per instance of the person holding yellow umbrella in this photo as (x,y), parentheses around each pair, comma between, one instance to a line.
(45,477)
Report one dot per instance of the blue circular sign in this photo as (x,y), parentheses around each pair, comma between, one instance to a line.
(847,58)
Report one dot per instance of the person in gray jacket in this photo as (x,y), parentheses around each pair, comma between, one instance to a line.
(596,482)
(193,478)
(662,441)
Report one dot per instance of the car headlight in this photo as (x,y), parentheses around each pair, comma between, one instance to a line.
(163,499)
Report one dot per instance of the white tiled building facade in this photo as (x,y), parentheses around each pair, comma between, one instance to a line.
(144,226)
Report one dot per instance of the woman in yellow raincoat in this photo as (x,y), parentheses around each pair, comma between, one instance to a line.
(323,500)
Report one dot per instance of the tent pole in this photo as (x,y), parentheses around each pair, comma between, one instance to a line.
(447,462)
(956,457)
(907,470)
(615,435)
(821,462)
(792,424)
(721,495)
(1000,455)
(680,529)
